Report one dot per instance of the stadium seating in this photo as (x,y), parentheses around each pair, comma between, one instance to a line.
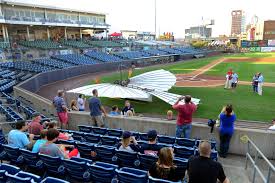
(102,172)
(76,44)
(129,175)
(31,159)
(104,57)
(155,52)
(103,43)
(12,170)
(26,66)
(76,59)
(41,44)
(4,45)
(127,159)
(23,177)
(146,161)
(53,180)
(105,153)
(53,165)
(13,154)
(132,54)
(171,51)
(53,63)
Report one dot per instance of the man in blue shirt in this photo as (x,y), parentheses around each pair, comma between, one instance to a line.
(17,137)
(235,79)
(260,83)
(96,110)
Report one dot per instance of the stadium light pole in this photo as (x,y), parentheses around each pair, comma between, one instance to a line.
(155,19)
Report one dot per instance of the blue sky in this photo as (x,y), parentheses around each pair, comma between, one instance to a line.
(172,15)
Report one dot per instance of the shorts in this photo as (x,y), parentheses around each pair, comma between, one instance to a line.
(63,117)
(234,85)
(97,121)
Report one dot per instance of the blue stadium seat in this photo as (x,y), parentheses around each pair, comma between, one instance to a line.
(166,139)
(53,180)
(102,172)
(100,131)
(85,128)
(13,154)
(78,136)
(181,164)
(92,138)
(12,170)
(31,159)
(146,161)
(183,152)
(155,180)
(115,132)
(129,175)
(85,149)
(143,136)
(105,153)
(77,169)
(22,177)
(186,142)
(53,165)
(109,140)
(127,159)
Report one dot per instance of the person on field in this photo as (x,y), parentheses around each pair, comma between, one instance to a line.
(184,120)
(235,80)
(228,82)
(260,83)
(255,83)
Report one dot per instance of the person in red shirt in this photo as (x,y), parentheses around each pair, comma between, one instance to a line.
(34,126)
(184,120)
(228,81)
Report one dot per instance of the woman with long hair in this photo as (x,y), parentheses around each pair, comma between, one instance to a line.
(128,143)
(164,168)
(74,105)
(227,119)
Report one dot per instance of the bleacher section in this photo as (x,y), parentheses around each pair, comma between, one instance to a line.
(53,63)
(76,44)
(76,59)
(104,57)
(132,54)
(171,51)
(156,52)
(41,44)
(104,43)
(4,45)
(26,66)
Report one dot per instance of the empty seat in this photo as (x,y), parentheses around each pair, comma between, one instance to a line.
(31,159)
(183,152)
(13,154)
(85,149)
(115,132)
(92,138)
(109,141)
(105,153)
(53,180)
(22,177)
(53,165)
(79,136)
(84,128)
(102,172)
(12,170)
(143,136)
(146,161)
(166,139)
(129,175)
(181,164)
(155,180)
(127,159)
(98,130)
(186,142)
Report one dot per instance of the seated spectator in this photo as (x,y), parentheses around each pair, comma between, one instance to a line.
(81,102)
(40,142)
(273,126)
(164,167)
(170,115)
(114,111)
(151,148)
(128,143)
(35,126)
(17,137)
(74,105)
(50,148)
(203,168)
(62,136)
(129,113)
(127,108)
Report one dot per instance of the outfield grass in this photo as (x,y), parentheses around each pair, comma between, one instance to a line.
(245,70)
(251,55)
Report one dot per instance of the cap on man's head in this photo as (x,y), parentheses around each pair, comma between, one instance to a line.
(152,134)
(126,134)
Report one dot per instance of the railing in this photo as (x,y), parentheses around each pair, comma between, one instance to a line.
(256,169)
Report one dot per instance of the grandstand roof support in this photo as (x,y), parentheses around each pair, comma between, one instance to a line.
(48,33)
(4,32)
(80,33)
(7,34)
(28,33)
(65,33)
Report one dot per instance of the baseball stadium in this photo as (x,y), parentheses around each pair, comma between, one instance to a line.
(81,104)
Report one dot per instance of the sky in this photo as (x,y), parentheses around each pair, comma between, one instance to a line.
(172,15)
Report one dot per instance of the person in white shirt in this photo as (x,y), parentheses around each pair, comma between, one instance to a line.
(81,102)
(235,79)
(273,126)
(260,83)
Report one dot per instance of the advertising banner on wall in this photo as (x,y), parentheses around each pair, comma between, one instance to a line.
(262,43)
(271,42)
(268,49)
(254,49)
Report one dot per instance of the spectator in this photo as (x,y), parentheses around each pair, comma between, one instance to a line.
(114,111)
(129,113)
(81,102)
(96,110)
(127,108)
(260,83)
(227,119)
(61,136)
(170,115)
(61,109)
(128,143)
(74,105)
(35,126)
(255,83)
(40,142)
(273,125)
(203,169)
(164,167)
(151,148)
(185,112)
(50,148)
(17,137)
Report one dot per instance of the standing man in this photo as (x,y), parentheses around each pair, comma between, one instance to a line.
(235,79)
(185,112)
(96,110)
(228,81)
(260,83)
(255,83)
(61,109)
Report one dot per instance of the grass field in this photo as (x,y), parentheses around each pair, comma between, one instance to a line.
(247,105)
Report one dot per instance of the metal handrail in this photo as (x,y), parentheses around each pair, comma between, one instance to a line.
(256,169)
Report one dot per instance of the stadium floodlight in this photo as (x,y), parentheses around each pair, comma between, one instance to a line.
(141,87)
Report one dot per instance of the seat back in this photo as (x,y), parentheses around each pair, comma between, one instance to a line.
(143,136)
(85,149)
(146,161)
(166,139)
(127,159)
(109,141)
(181,164)
(92,138)
(15,179)
(102,172)
(53,164)
(31,159)
(186,142)
(129,175)
(13,154)
(24,177)
(78,136)
(53,180)
(12,170)
(105,153)
(98,130)
(183,152)
(115,132)
(85,128)
(155,180)
(77,169)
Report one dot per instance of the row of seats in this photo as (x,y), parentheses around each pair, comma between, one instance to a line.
(104,57)
(53,63)
(103,43)
(10,114)
(156,52)
(8,87)
(76,44)
(26,66)
(81,169)
(76,59)
(42,44)
(132,54)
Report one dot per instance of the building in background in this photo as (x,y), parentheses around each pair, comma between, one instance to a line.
(129,34)
(254,30)
(198,32)
(269,30)
(238,22)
